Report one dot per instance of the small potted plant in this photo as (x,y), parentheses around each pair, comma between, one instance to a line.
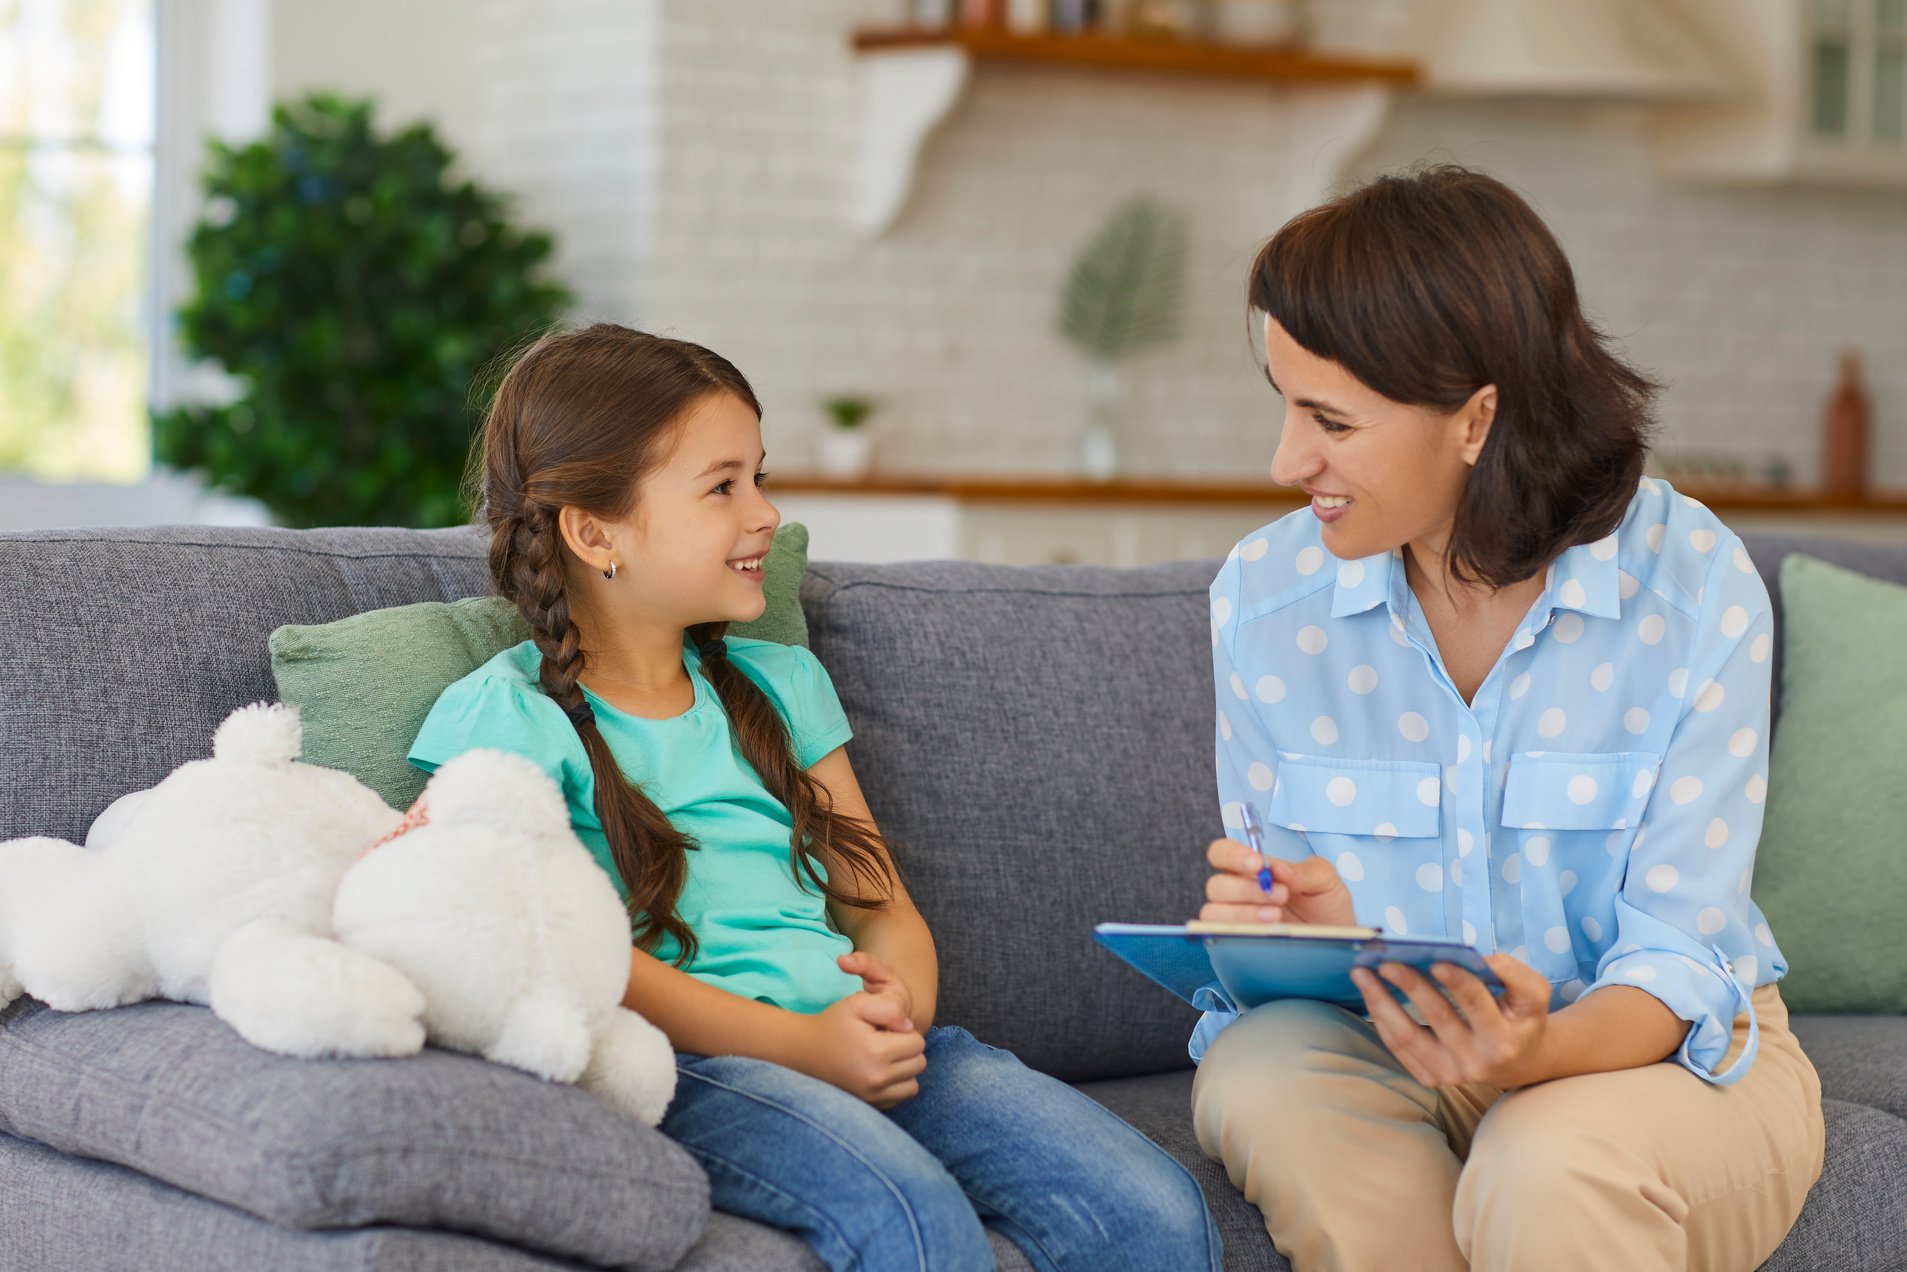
(1124,294)
(846,448)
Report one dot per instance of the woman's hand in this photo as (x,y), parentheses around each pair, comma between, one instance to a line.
(1307,891)
(1469,1036)
(866,1043)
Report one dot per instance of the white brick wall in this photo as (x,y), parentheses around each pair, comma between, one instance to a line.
(569,123)
(693,158)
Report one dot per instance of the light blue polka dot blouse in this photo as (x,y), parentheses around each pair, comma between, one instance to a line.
(1594,811)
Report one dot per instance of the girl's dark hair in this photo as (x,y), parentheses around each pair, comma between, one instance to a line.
(579,419)
(1426,287)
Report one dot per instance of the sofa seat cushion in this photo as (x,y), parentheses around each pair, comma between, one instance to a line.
(438,1140)
(1861,1059)
(1160,1106)
(1853,1218)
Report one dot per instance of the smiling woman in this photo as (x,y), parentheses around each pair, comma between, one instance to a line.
(1493,685)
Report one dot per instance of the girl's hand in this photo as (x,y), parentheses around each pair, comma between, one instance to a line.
(879,978)
(1307,891)
(1470,1036)
(867,1045)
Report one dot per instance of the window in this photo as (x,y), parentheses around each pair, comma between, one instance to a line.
(76,182)
(1858,72)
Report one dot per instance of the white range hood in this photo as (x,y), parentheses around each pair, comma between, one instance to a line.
(1636,50)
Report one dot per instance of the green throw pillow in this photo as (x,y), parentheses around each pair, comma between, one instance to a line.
(1832,866)
(364,684)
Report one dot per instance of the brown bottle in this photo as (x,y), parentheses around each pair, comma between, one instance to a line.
(1844,431)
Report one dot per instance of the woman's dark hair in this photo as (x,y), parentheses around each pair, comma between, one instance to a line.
(1429,285)
(577,422)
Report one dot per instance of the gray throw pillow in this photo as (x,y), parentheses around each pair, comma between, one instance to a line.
(435,1141)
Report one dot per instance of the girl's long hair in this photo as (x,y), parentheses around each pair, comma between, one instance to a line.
(579,419)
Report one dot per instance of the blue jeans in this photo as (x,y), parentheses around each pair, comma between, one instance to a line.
(986,1139)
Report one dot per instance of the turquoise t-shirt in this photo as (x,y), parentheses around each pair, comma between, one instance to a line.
(762,934)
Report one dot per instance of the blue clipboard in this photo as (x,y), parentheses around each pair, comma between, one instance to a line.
(1264,962)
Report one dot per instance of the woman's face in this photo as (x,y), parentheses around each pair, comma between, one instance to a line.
(1380,474)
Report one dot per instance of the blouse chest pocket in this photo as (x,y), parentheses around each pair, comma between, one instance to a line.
(1387,798)
(1544,791)
(1554,790)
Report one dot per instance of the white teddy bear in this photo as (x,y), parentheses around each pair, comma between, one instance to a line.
(494,909)
(316,921)
(248,847)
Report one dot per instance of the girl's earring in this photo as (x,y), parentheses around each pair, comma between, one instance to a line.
(610,573)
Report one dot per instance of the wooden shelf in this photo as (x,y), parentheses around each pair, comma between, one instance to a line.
(1122,53)
(1198,491)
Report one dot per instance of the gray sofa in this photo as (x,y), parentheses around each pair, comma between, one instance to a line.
(1037,739)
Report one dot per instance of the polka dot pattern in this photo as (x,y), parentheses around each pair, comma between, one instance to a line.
(1639,694)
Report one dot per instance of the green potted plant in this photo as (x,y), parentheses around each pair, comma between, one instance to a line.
(846,448)
(354,289)
(1124,293)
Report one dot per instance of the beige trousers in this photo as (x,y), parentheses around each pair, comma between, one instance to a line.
(1357,1166)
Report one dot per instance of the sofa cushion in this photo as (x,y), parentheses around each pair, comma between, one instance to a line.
(1038,741)
(1861,1059)
(69,1214)
(1832,865)
(364,684)
(1160,1107)
(1768,551)
(122,650)
(438,1140)
(1853,1218)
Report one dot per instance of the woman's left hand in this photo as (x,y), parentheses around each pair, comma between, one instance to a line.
(1469,1036)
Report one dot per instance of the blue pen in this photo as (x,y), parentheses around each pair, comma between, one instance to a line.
(1255,837)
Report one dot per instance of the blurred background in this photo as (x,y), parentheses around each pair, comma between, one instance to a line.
(983,260)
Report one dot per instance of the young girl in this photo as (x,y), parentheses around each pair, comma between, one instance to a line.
(773,940)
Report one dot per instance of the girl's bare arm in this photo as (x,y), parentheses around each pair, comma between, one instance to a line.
(896,934)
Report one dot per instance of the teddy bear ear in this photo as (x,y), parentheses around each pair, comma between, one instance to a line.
(263,733)
(495,788)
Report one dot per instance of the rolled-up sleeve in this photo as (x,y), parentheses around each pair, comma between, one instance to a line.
(1685,893)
